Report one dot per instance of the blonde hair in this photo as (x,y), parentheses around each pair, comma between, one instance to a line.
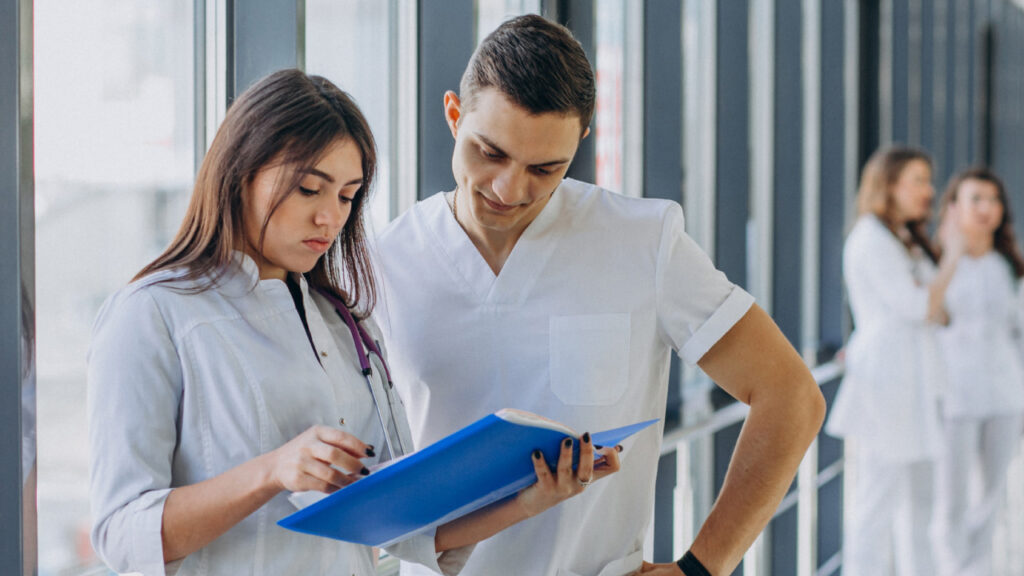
(875,194)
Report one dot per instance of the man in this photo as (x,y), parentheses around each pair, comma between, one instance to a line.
(520,289)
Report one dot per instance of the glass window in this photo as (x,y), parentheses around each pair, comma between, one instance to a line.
(349,43)
(491,13)
(609,114)
(114,167)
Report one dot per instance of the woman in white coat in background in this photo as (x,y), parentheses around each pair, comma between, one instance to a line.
(887,404)
(983,401)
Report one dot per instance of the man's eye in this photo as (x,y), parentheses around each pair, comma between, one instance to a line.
(489,154)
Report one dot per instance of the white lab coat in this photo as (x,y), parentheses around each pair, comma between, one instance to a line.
(183,387)
(888,405)
(983,404)
(888,400)
(981,347)
(578,327)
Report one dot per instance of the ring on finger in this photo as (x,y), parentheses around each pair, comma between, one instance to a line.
(585,483)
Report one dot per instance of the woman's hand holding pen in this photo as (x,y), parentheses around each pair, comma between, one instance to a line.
(311,460)
(552,487)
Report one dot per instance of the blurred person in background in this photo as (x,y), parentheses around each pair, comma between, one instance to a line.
(887,404)
(983,401)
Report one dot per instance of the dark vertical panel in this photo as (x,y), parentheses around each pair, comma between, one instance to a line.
(900,71)
(972,81)
(578,16)
(732,140)
(830,448)
(833,179)
(1008,55)
(788,170)
(927,74)
(830,519)
(663,129)
(782,540)
(446,42)
(868,79)
(983,73)
(664,498)
(724,443)
(16,273)
(952,72)
(265,39)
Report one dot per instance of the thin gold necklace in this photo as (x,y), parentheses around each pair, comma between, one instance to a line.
(455,206)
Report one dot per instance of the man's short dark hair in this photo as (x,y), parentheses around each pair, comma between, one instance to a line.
(537,64)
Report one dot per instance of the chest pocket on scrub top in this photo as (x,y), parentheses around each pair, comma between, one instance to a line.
(589,358)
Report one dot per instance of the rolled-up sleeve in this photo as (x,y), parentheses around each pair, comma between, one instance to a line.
(697,304)
(134,386)
(420,549)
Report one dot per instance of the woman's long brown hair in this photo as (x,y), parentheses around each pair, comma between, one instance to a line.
(875,195)
(1004,240)
(288,118)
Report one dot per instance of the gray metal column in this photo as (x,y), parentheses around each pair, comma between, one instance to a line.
(17,290)
(732,126)
(832,179)
(788,170)
(663,131)
(446,41)
(263,36)
(578,16)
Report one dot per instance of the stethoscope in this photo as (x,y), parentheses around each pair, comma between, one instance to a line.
(370,357)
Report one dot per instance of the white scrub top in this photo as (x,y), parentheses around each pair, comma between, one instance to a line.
(183,387)
(981,346)
(888,399)
(578,327)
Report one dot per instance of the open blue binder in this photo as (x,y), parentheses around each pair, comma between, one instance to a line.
(467,470)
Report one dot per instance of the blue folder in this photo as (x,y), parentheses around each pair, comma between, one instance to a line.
(473,467)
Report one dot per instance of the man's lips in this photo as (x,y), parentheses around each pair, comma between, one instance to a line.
(496,205)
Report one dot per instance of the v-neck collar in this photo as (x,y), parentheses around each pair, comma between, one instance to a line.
(523,265)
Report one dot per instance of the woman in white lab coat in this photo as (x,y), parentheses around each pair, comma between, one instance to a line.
(983,401)
(887,404)
(224,376)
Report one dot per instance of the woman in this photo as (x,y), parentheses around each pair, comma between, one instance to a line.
(984,398)
(223,377)
(887,403)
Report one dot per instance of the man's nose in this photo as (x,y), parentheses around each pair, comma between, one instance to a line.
(510,186)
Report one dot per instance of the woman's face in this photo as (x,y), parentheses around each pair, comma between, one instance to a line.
(309,220)
(912,193)
(979,207)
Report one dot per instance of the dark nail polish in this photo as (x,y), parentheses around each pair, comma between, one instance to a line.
(536,454)
(598,447)
(618,448)
(370,452)
(567,443)
(364,471)
(586,437)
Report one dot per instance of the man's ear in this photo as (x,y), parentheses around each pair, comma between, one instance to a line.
(586,132)
(452,112)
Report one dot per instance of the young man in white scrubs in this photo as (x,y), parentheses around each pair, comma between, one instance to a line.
(520,289)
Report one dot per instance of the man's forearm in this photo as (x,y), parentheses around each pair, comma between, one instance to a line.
(774,438)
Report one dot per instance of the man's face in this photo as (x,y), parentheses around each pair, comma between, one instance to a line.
(507,161)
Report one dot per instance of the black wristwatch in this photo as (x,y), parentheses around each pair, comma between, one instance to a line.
(691,566)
